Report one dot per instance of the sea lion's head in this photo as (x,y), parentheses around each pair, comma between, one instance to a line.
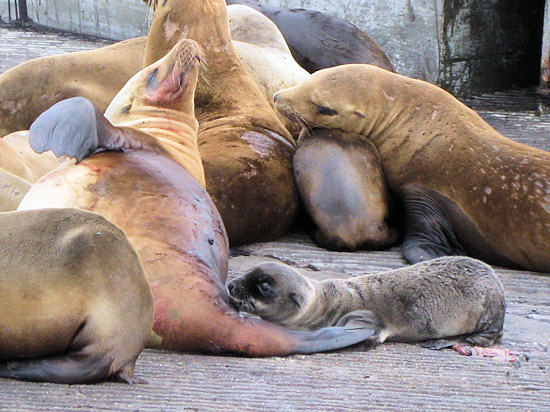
(332,98)
(273,291)
(167,84)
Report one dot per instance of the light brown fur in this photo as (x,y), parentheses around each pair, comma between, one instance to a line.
(438,153)
(74,303)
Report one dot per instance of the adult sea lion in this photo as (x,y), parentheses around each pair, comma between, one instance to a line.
(30,88)
(340,181)
(265,54)
(74,303)
(153,191)
(443,299)
(466,189)
(246,151)
(318,40)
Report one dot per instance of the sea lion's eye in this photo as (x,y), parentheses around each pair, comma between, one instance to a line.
(324,110)
(126,109)
(265,289)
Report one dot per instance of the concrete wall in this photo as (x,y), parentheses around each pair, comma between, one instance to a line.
(545,58)
(490,44)
(114,19)
(5,9)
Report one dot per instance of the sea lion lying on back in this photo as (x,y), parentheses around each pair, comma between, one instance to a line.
(466,189)
(141,169)
(74,303)
(449,297)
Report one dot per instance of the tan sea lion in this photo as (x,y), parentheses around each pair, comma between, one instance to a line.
(443,299)
(148,182)
(341,184)
(20,167)
(318,40)
(466,189)
(30,88)
(265,54)
(36,164)
(246,151)
(74,303)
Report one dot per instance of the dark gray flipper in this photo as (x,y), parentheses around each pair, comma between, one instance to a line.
(429,233)
(438,344)
(68,127)
(364,319)
(330,338)
(70,368)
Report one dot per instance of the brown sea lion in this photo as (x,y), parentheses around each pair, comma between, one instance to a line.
(466,189)
(74,303)
(442,300)
(318,40)
(246,151)
(152,191)
(340,181)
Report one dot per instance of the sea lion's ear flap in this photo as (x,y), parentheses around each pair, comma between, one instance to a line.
(294,298)
(330,338)
(68,127)
(360,114)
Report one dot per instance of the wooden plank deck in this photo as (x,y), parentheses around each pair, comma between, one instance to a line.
(392,376)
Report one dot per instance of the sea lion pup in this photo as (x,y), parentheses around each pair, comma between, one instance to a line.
(30,88)
(245,150)
(443,299)
(466,189)
(340,181)
(74,303)
(318,40)
(150,182)
(265,54)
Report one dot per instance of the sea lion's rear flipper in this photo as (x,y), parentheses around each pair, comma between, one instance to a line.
(76,128)
(429,233)
(330,338)
(72,368)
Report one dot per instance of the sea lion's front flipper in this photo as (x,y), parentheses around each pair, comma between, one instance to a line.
(76,128)
(429,233)
(331,338)
(72,368)
(68,127)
